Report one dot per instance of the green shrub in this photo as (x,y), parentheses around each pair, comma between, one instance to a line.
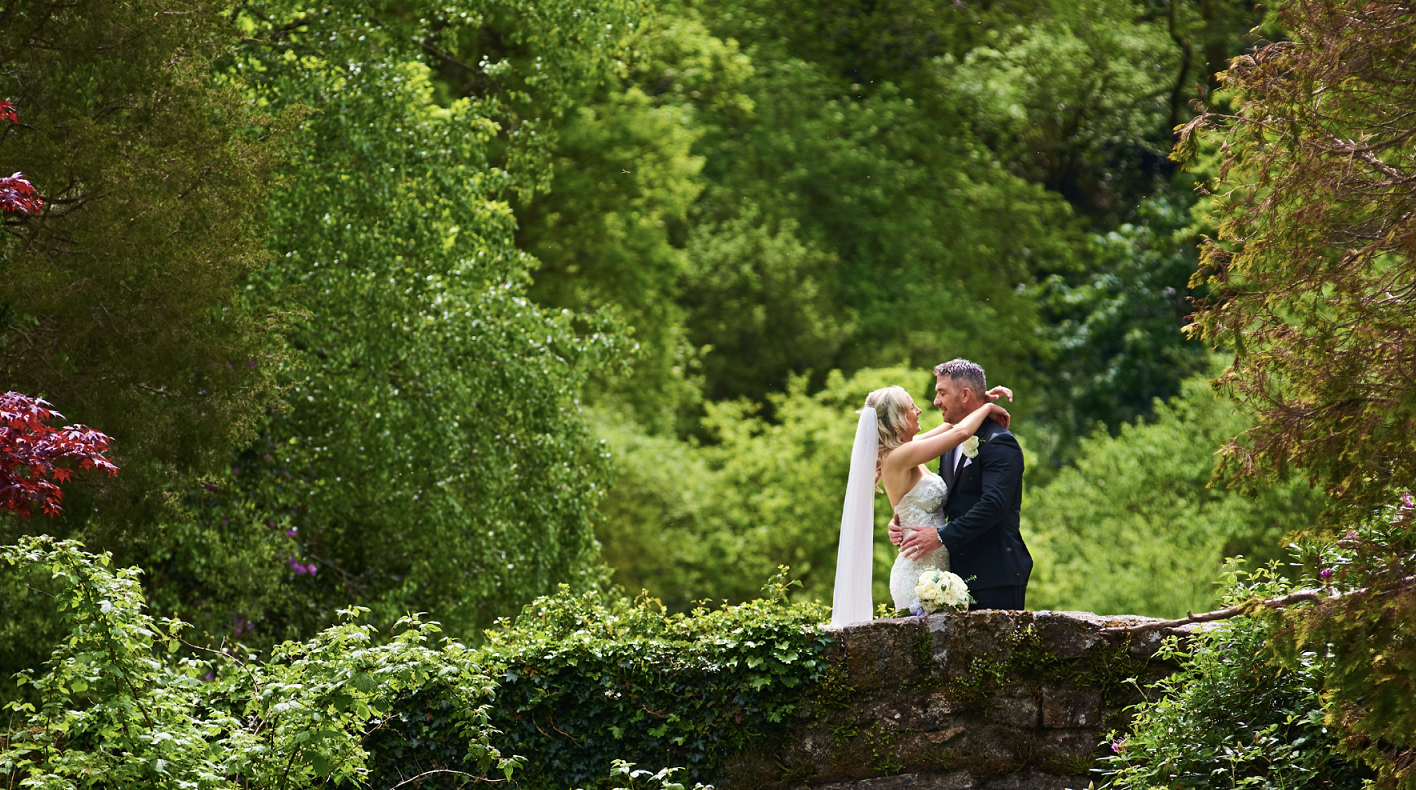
(576,682)
(121,704)
(1135,526)
(583,678)
(1232,716)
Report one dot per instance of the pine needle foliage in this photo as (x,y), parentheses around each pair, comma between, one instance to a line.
(1313,282)
(1311,275)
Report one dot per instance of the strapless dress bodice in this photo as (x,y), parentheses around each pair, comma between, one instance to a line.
(921,508)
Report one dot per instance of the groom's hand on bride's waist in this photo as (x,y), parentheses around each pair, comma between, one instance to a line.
(920,542)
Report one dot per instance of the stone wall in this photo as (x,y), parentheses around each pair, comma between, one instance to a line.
(992,699)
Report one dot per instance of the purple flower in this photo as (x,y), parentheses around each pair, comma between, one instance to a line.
(250,363)
(1325,575)
(1407,502)
(1118,746)
(301,568)
(289,533)
(917,611)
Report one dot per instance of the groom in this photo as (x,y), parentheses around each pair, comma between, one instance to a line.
(985,499)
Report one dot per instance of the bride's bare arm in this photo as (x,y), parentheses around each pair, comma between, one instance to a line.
(918,452)
(919,437)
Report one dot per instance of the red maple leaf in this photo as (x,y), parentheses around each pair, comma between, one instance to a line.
(31,454)
(18,195)
(7,113)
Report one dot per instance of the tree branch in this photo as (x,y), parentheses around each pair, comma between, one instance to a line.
(1245,608)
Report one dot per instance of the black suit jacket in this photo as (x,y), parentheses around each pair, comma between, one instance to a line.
(985,502)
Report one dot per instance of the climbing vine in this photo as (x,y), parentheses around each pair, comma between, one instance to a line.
(585,676)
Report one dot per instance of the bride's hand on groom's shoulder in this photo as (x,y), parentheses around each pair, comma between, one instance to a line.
(999,392)
(999,415)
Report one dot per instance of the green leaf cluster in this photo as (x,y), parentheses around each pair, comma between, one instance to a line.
(120,302)
(1233,716)
(582,678)
(1359,629)
(123,702)
(432,453)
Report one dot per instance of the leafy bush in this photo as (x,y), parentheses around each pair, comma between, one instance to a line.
(1361,628)
(585,677)
(575,681)
(121,704)
(1232,716)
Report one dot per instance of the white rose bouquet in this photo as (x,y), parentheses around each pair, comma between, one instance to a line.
(938,590)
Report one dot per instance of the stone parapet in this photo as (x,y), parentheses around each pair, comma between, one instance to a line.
(991,700)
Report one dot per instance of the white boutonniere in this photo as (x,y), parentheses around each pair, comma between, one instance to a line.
(970,447)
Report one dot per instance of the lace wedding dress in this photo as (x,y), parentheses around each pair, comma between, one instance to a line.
(921,508)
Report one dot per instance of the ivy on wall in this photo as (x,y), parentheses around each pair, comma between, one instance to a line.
(589,677)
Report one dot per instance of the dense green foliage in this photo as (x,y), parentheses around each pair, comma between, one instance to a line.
(432,455)
(1361,638)
(1133,527)
(1232,718)
(122,702)
(731,200)
(118,705)
(581,678)
(885,183)
(399,306)
(120,301)
(1311,272)
(1312,264)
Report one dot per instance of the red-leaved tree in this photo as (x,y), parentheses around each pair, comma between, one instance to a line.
(17,194)
(35,458)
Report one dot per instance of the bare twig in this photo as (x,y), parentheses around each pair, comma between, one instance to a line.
(470,777)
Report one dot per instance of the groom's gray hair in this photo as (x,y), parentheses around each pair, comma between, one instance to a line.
(965,371)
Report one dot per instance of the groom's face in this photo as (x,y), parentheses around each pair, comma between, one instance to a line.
(949,398)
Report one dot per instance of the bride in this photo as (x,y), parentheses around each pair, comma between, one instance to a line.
(890,451)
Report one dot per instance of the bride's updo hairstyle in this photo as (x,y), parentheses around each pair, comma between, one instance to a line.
(891,406)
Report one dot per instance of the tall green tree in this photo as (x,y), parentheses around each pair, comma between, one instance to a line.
(120,300)
(433,455)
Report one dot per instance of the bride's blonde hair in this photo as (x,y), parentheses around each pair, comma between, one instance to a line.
(891,406)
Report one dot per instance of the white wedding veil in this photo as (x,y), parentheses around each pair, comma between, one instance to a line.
(851,603)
